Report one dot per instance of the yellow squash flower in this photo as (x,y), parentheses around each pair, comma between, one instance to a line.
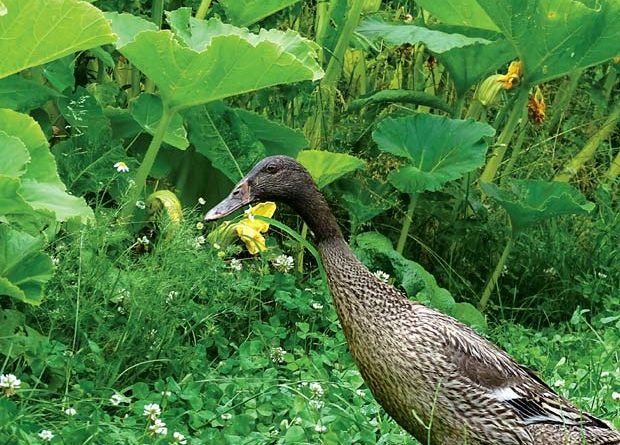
(250,229)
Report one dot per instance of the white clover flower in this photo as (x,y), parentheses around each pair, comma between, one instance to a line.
(277,355)
(199,241)
(121,167)
(158,428)
(283,263)
(316,389)
(317,404)
(70,411)
(316,306)
(141,205)
(201,201)
(383,276)
(615,395)
(9,383)
(559,383)
(226,416)
(320,428)
(178,438)
(46,435)
(235,264)
(117,399)
(152,411)
(172,295)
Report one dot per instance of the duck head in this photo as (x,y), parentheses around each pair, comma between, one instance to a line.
(276,178)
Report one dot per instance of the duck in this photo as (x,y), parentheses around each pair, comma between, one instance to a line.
(437,378)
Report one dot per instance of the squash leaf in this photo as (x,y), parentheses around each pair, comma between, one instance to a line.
(325,167)
(147,110)
(251,11)
(459,12)
(437,149)
(34,32)
(555,37)
(24,269)
(531,201)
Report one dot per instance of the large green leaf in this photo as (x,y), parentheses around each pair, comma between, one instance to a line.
(219,134)
(530,201)
(24,269)
(459,12)
(40,185)
(147,111)
(469,64)
(21,94)
(277,138)
(438,149)
(398,33)
(556,37)
(14,156)
(34,32)
(326,167)
(207,61)
(248,12)
(127,26)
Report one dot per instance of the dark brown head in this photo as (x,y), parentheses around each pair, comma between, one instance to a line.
(276,178)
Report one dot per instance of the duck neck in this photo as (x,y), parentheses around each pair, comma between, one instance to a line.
(315,212)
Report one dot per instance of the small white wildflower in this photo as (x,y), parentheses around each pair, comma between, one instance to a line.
(178,438)
(216,246)
(70,412)
(158,427)
(144,241)
(320,428)
(235,264)
(283,263)
(277,355)
(550,271)
(317,404)
(316,306)
(152,411)
(226,416)
(199,241)
(559,383)
(152,333)
(9,383)
(172,295)
(360,392)
(121,310)
(46,435)
(117,399)
(141,205)
(131,183)
(383,276)
(504,271)
(248,213)
(55,261)
(316,389)
(297,421)
(121,167)
(615,395)
(166,393)
(201,201)
(605,374)
(601,275)
(200,225)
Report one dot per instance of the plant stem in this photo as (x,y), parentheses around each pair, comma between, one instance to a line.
(516,151)
(492,283)
(300,254)
(563,98)
(614,169)
(610,82)
(589,149)
(147,162)
(203,9)
(408,218)
(321,22)
(157,12)
(501,145)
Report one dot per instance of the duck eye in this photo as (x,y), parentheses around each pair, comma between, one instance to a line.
(271,168)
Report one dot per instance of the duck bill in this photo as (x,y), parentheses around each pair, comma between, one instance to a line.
(239,197)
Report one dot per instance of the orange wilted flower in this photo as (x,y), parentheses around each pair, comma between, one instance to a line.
(536,107)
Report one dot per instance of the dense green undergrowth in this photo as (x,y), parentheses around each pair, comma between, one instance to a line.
(476,174)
